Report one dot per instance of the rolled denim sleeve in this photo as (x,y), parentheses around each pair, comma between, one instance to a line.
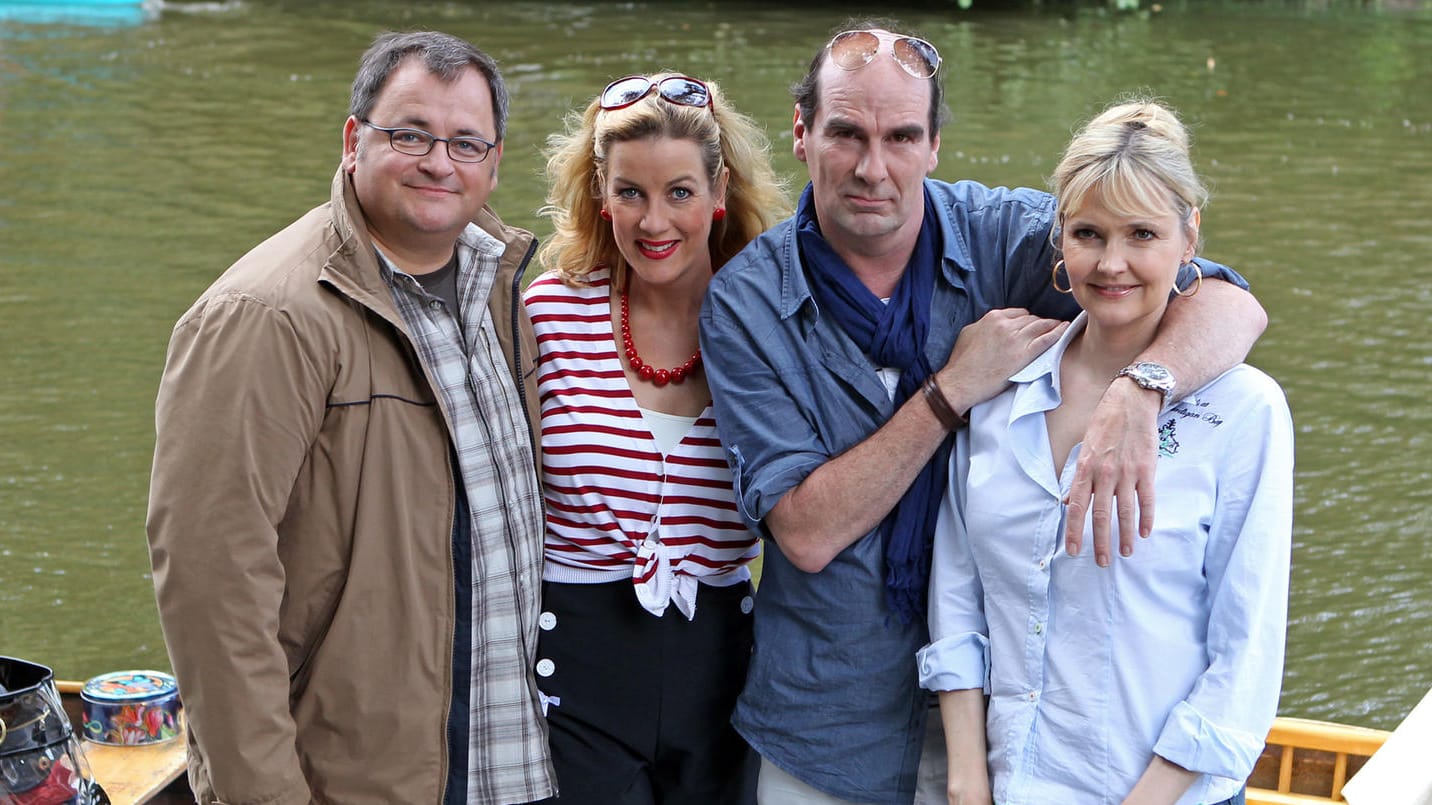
(768,437)
(958,656)
(1220,726)
(1210,270)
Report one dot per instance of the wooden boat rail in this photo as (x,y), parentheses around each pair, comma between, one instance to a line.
(1308,762)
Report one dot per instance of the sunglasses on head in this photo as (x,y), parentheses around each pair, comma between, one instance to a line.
(852,50)
(678,89)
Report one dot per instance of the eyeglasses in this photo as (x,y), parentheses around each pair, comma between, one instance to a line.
(419,143)
(678,89)
(852,50)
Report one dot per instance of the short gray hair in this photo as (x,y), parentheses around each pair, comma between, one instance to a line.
(446,56)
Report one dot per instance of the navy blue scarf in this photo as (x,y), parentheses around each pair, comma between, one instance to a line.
(892,334)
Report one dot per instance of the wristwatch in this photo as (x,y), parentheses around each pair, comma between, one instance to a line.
(1152,376)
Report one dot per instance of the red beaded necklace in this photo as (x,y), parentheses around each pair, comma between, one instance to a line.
(643,370)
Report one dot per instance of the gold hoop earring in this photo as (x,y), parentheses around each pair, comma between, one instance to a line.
(1054,278)
(1197,283)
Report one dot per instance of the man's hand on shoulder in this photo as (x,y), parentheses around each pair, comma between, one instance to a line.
(1115,469)
(988,351)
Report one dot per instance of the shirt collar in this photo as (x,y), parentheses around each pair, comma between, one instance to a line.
(472,240)
(481,241)
(795,291)
(955,259)
(1037,385)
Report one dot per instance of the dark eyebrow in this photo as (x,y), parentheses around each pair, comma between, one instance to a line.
(842,124)
(412,122)
(912,132)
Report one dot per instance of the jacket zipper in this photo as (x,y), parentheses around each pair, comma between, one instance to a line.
(517,329)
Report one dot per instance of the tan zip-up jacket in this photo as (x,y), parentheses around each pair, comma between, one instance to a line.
(300,521)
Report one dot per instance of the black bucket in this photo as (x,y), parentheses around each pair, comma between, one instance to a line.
(40,757)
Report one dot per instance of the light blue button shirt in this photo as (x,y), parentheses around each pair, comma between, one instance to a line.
(1176,650)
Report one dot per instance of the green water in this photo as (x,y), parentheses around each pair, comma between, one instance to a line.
(137,161)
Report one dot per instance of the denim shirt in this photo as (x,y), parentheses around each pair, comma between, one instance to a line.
(831,696)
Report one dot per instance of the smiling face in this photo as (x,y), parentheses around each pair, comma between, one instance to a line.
(661,203)
(869,149)
(1121,266)
(416,206)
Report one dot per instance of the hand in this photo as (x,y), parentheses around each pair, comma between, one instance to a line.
(1116,467)
(988,351)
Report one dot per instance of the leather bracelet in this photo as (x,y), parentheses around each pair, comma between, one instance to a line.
(940,406)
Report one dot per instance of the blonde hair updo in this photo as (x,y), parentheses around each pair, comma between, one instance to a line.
(1133,158)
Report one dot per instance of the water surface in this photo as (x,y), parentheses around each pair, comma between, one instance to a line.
(138,160)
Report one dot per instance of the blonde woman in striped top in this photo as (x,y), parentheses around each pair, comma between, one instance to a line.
(646,625)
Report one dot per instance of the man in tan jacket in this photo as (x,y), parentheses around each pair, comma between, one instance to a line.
(344,520)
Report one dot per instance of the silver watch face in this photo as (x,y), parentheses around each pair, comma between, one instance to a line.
(1151,376)
(1152,373)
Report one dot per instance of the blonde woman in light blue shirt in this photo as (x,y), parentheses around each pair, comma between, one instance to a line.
(1155,679)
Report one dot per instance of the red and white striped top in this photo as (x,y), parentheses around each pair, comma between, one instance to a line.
(617,507)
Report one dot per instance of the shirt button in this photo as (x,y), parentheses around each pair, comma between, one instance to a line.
(1043,563)
(546,668)
(1039,628)
(547,621)
(747,604)
(1033,695)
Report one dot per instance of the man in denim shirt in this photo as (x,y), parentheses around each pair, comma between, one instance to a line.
(830,346)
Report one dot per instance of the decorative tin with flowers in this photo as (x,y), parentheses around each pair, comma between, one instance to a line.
(131,707)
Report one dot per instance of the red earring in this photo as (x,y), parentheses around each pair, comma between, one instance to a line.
(606,216)
(719,214)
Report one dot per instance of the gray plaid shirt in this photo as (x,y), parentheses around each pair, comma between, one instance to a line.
(507,758)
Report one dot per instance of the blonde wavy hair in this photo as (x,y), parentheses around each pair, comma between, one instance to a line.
(1133,158)
(576,174)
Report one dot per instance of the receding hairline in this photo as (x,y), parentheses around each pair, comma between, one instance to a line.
(919,117)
